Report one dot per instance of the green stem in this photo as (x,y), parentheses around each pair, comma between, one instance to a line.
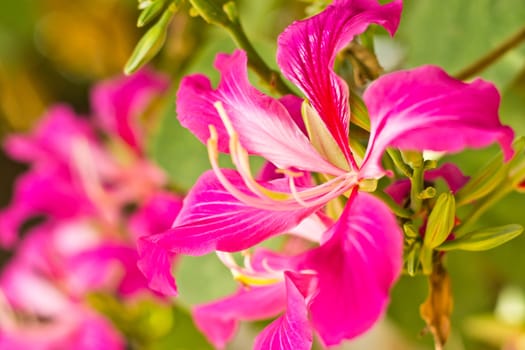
(492,56)
(255,62)
(416,187)
(399,162)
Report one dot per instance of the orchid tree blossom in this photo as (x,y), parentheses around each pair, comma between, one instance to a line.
(72,172)
(97,203)
(314,290)
(228,210)
(419,109)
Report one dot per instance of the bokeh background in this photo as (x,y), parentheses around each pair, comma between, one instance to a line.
(53,51)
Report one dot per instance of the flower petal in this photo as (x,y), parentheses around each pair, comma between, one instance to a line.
(425,109)
(218,320)
(118,103)
(212,219)
(263,124)
(291,331)
(356,267)
(307,50)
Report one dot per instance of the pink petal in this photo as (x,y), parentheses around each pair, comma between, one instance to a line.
(307,50)
(452,175)
(356,267)
(219,320)
(53,139)
(291,331)
(155,263)
(212,219)
(47,190)
(425,109)
(264,125)
(119,102)
(156,215)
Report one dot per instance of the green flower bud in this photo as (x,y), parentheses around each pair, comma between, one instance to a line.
(150,44)
(412,259)
(150,12)
(440,221)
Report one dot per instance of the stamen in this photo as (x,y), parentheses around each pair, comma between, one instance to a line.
(262,197)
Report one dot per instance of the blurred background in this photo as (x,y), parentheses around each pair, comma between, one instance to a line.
(53,51)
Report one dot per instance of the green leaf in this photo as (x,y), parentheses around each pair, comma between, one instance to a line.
(484,182)
(467,31)
(483,239)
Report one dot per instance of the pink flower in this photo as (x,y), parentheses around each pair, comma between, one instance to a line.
(40,304)
(228,211)
(118,104)
(316,289)
(72,172)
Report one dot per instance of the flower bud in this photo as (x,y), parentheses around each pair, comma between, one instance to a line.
(151,43)
(440,221)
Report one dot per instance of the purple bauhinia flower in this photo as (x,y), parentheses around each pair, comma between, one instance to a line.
(228,210)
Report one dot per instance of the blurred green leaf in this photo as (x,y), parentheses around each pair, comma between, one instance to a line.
(466,31)
(483,239)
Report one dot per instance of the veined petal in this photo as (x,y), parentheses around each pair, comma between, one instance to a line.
(425,109)
(356,267)
(219,320)
(212,219)
(263,124)
(291,331)
(118,103)
(307,51)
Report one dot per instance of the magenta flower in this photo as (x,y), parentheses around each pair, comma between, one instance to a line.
(40,295)
(72,173)
(228,211)
(118,104)
(316,289)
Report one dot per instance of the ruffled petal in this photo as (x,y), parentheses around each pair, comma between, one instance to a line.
(263,123)
(307,49)
(118,103)
(356,267)
(291,331)
(219,320)
(425,109)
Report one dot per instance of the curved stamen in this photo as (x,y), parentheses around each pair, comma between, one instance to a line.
(247,275)
(262,197)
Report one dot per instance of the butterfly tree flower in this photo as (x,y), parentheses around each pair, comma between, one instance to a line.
(97,198)
(228,210)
